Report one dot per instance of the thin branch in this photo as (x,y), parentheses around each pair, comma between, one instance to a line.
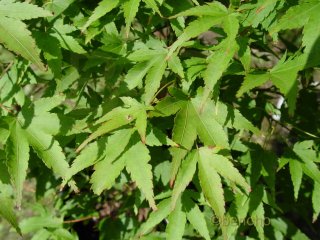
(80,219)
(160,90)
(6,69)
(6,108)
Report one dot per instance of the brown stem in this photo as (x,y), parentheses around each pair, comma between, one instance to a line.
(79,219)
(6,69)
(6,108)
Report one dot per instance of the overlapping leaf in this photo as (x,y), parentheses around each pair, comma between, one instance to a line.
(37,132)
(102,9)
(116,118)
(283,76)
(134,157)
(14,33)
(204,120)
(151,65)
(210,167)
(301,161)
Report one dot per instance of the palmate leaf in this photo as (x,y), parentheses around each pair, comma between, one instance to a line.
(107,170)
(297,16)
(102,9)
(17,38)
(283,76)
(152,64)
(308,156)
(225,168)
(116,118)
(17,149)
(212,165)
(22,10)
(36,129)
(135,158)
(304,15)
(192,120)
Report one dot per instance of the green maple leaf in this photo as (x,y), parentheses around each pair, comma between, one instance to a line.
(35,129)
(134,157)
(102,9)
(283,75)
(14,33)
(211,167)
(118,117)
(197,119)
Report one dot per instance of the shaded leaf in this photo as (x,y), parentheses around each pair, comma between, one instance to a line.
(17,149)
(102,9)
(16,37)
